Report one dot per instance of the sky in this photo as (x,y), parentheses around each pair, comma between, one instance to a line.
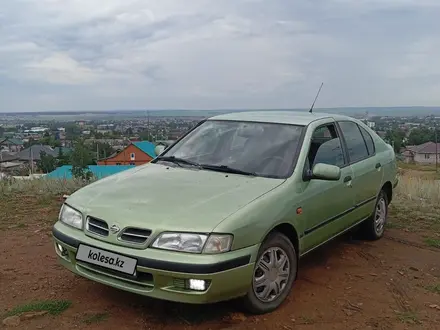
(61,55)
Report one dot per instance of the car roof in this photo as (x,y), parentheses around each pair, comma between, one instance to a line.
(281,117)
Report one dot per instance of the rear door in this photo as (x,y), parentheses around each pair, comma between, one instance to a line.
(367,171)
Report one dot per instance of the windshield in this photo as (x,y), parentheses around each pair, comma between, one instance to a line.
(265,149)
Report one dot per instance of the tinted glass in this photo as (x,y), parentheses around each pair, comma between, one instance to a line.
(263,148)
(330,152)
(357,149)
(368,140)
(326,148)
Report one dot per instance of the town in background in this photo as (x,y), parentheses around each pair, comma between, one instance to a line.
(64,145)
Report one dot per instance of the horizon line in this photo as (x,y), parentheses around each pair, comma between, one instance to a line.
(216,109)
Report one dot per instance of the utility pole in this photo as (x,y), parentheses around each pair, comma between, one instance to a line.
(148,125)
(32,160)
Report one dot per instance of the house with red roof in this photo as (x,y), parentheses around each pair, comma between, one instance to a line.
(136,153)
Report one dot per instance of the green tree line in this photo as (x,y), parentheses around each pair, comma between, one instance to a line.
(417,136)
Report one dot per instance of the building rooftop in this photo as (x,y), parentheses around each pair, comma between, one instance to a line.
(425,148)
(282,117)
(99,171)
(12,141)
(146,147)
(33,152)
(6,156)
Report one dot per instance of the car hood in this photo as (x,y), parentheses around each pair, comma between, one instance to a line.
(159,197)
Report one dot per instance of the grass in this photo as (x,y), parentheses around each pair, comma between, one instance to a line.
(25,202)
(416,167)
(416,204)
(433,288)
(433,242)
(53,307)
(409,317)
(39,187)
(306,320)
(95,318)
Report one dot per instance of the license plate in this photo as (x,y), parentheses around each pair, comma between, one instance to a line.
(106,259)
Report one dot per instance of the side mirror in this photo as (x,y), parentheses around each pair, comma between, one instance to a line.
(327,172)
(159,149)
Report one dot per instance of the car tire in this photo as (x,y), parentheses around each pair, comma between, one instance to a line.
(262,296)
(374,227)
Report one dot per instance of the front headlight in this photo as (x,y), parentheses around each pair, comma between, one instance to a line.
(71,217)
(193,243)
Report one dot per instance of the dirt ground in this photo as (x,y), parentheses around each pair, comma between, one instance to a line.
(348,284)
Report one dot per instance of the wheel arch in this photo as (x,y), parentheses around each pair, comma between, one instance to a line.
(290,232)
(388,189)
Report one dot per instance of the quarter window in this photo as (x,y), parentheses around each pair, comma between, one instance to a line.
(357,149)
(368,140)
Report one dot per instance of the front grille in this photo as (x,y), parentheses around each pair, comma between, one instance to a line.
(97,226)
(141,278)
(135,235)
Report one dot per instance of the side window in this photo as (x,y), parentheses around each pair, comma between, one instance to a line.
(357,149)
(368,140)
(326,147)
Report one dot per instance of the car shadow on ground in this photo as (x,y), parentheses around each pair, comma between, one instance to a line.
(158,312)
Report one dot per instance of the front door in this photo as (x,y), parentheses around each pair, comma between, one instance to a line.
(327,204)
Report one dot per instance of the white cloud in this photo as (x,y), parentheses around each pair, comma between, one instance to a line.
(60,68)
(215,54)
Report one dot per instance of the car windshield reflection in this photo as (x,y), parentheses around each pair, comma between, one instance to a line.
(248,148)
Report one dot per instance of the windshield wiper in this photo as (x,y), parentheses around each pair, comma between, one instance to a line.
(226,169)
(178,161)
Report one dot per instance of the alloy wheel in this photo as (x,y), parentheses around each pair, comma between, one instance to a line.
(380,216)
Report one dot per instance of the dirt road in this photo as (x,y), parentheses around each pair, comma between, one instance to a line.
(348,284)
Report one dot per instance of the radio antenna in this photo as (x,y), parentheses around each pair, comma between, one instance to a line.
(313,104)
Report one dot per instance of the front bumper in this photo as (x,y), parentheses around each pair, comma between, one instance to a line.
(163,274)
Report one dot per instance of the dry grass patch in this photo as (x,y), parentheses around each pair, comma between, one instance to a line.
(39,187)
(28,201)
(416,204)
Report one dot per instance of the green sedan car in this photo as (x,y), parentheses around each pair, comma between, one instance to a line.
(228,209)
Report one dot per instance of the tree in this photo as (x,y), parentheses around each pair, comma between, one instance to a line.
(62,159)
(145,135)
(103,148)
(47,163)
(72,131)
(80,159)
(421,135)
(396,139)
(2,131)
(129,132)
(49,140)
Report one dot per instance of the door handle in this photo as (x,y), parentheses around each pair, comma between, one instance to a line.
(347,179)
(378,165)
